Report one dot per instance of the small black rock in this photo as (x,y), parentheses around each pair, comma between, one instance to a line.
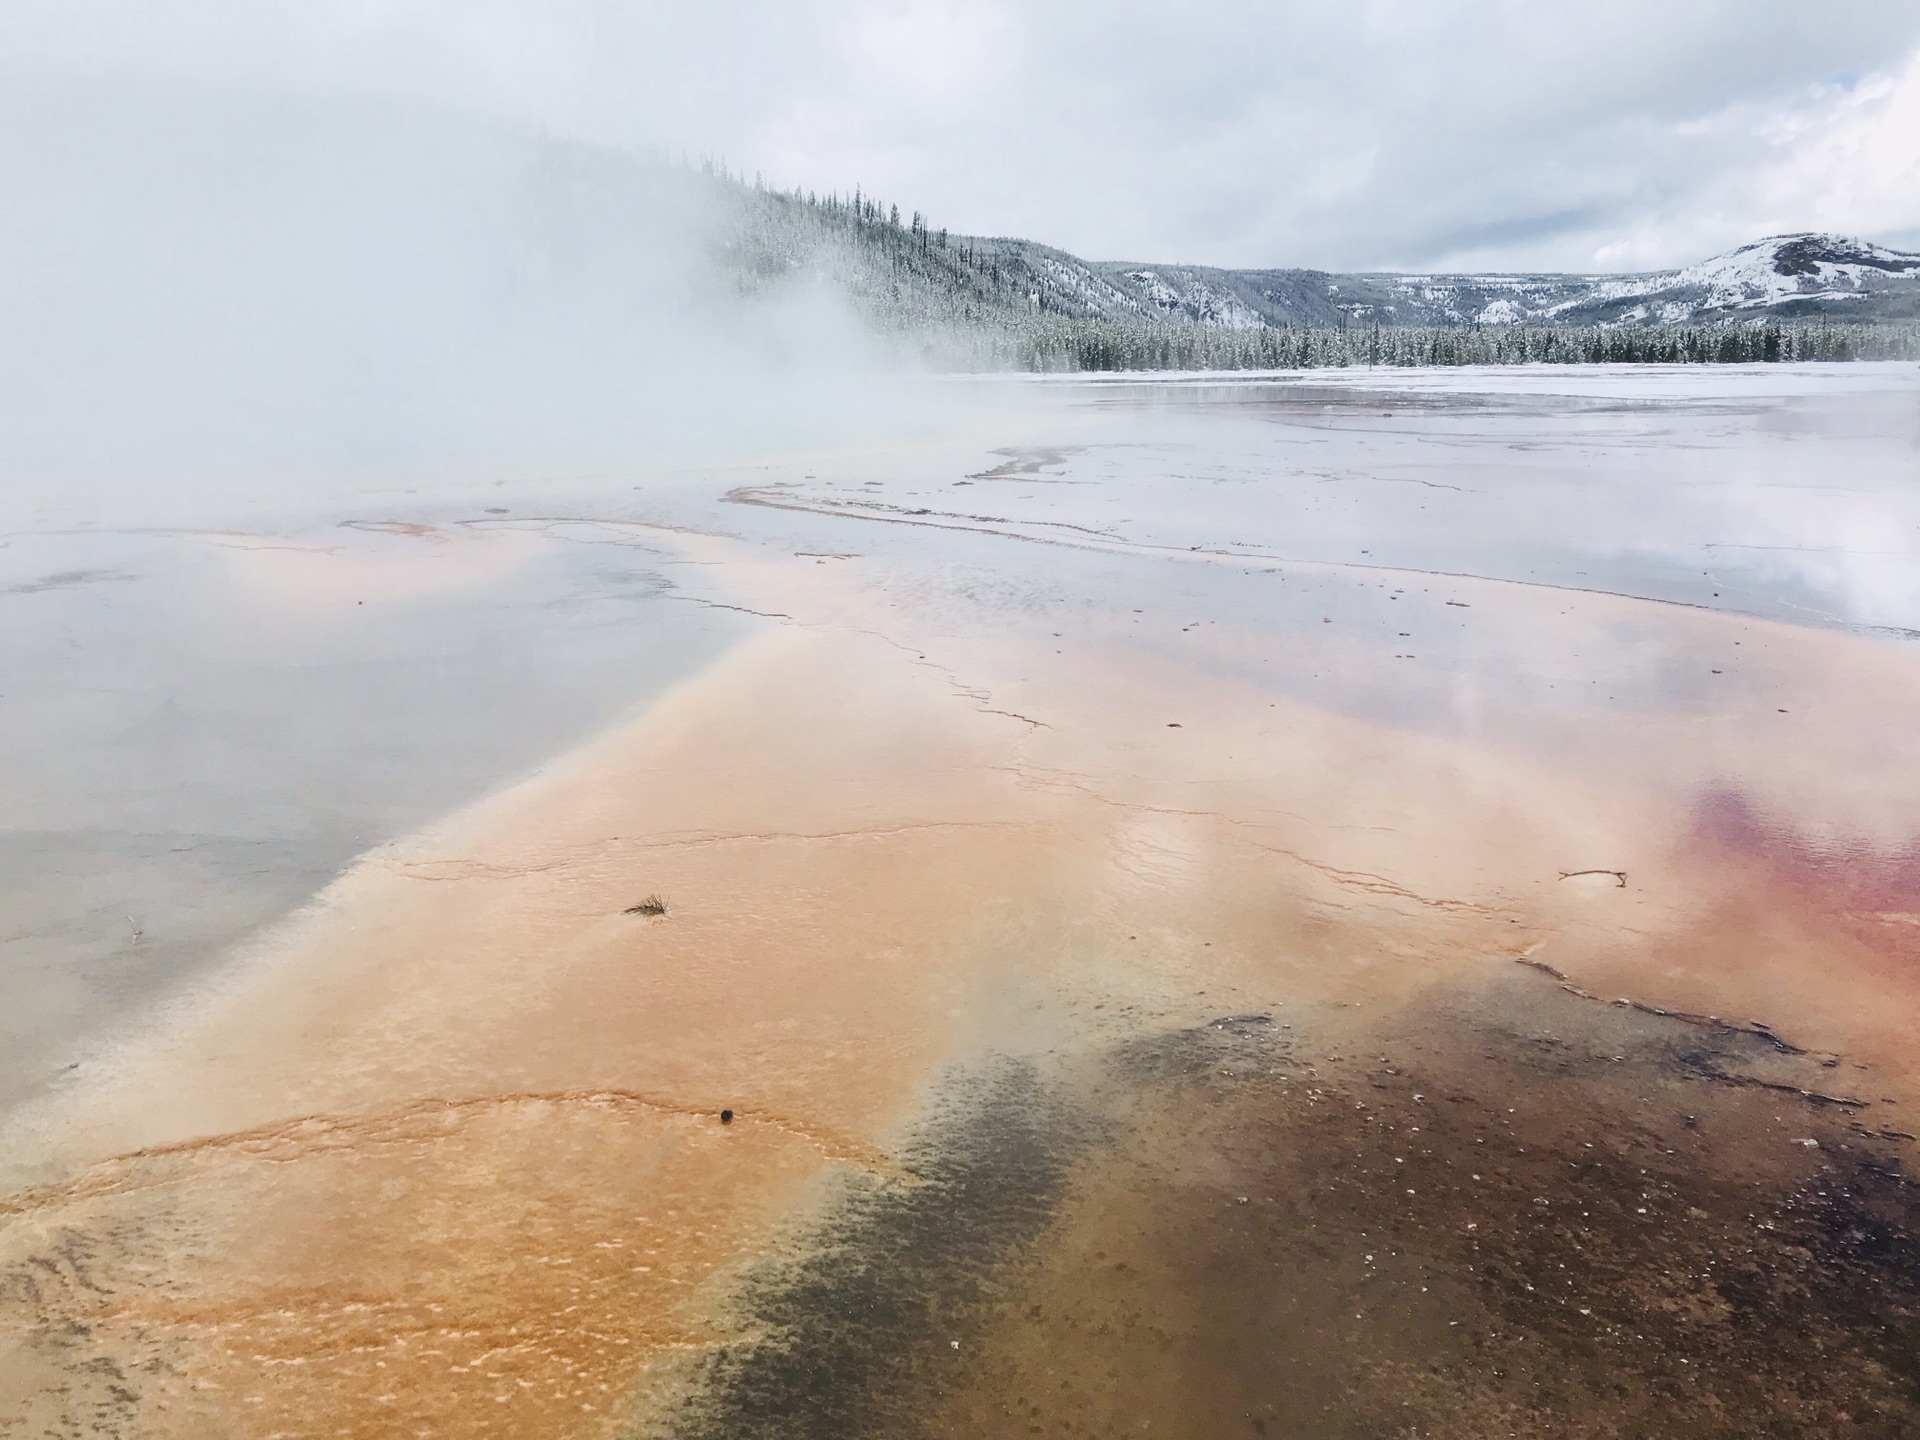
(726,1117)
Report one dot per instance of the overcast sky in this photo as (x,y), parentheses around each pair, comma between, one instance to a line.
(1358,134)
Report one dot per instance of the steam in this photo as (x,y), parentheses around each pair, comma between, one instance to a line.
(203,289)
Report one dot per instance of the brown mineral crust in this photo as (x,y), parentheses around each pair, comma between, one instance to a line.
(1516,1214)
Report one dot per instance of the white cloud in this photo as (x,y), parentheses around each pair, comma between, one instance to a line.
(1837,157)
(1855,164)
(930,53)
(1328,132)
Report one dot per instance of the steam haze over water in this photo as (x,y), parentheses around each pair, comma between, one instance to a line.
(212,290)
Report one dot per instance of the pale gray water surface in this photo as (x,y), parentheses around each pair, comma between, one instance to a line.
(1788,492)
(1346,525)
(198,728)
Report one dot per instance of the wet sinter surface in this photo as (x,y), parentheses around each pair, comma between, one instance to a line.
(201,727)
(1382,908)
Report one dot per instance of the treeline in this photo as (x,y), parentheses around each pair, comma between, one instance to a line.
(1069,345)
(906,278)
(972,303)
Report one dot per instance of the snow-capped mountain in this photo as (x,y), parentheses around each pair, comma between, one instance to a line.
(1791,274)
(1787,275)
(909,275)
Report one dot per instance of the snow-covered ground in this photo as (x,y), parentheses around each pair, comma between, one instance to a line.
(1624,382)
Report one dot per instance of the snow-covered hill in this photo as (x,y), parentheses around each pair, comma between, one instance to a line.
(908,273)
(1787,275)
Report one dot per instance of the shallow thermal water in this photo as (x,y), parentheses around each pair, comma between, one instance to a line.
(202,724)
(1327,906)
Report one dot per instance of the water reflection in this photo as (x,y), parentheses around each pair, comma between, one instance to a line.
(1787,495)
(200,728)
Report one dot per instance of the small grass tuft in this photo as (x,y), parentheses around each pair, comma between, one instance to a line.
(652,905)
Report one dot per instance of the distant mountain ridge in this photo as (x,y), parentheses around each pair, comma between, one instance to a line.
(908,276)
(1798,276)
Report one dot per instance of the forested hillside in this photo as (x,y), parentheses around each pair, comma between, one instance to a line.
(974,301)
